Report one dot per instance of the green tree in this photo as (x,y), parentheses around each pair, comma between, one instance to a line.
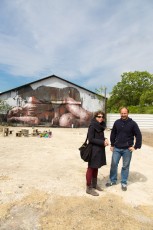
(147,98)
(129,90)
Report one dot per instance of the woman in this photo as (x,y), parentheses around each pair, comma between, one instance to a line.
(98,157)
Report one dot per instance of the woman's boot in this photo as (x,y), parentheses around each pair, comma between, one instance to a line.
(91,191)
(95,186)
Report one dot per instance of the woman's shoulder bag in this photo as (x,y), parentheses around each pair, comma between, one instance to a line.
(86,150)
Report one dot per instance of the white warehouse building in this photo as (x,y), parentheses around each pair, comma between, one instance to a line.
(52,101)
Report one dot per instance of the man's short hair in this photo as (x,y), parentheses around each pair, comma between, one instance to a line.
(123,108)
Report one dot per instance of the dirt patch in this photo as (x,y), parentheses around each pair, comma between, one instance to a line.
(42,211)
(84,213)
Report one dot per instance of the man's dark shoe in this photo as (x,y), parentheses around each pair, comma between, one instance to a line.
(124,187)
(108,184)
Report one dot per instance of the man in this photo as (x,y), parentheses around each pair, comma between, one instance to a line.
(122,145)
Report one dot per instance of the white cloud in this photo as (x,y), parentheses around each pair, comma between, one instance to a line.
(92,42)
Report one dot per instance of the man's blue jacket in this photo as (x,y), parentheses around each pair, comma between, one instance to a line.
(123,133)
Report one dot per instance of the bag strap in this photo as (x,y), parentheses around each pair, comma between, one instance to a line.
(87,136)
(86,139)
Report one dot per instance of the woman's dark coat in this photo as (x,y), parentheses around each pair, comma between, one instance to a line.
(96,137)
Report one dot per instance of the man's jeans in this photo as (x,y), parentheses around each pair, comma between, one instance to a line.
(126,156)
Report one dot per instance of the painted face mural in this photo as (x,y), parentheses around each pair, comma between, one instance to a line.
(50,106)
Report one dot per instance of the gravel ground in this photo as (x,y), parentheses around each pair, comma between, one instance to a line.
(147,137)
(42,186)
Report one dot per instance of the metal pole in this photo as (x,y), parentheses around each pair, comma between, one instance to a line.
(105,99)
(105,106)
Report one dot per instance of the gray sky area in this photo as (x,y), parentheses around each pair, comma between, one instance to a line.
(88,42)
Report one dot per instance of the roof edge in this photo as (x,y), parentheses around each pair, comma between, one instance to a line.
(19,87)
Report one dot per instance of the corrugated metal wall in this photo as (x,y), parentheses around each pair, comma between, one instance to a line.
(145,121)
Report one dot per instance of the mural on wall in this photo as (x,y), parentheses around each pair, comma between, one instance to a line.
(49,105)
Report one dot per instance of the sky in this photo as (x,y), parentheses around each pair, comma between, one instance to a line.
(88,42)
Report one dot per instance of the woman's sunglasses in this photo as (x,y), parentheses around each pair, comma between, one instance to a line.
(100,116)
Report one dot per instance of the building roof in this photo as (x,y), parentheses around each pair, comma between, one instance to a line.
(17,88)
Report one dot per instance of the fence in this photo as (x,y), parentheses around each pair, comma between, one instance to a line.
(145,121)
